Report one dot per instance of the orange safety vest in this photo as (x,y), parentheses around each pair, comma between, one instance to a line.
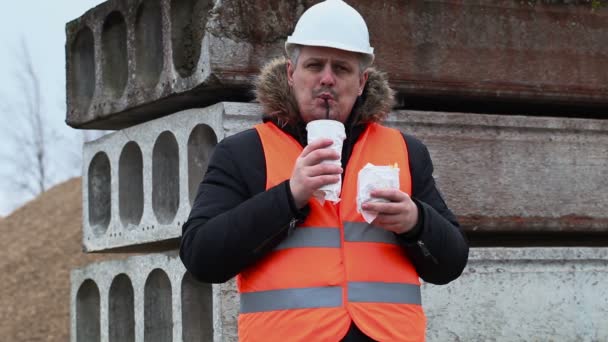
(334,267)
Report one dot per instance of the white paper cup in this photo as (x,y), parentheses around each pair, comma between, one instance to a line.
(334,130)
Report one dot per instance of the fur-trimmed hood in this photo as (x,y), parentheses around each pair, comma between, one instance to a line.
(274,94)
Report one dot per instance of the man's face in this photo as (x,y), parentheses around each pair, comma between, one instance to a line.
(325,77)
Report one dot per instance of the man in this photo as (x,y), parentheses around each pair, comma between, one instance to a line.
(318,272)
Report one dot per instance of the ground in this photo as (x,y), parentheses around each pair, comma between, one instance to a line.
(40,243)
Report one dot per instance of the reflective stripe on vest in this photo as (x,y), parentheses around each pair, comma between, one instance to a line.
(312,237)
(364,232)
(330,237)
(329,297)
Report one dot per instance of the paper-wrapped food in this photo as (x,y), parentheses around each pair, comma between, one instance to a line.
(373,177)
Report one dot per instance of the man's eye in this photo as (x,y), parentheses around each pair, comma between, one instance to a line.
(314,66)
(341,68)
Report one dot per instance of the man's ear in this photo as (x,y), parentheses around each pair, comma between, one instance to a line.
(362,82)
(290,70)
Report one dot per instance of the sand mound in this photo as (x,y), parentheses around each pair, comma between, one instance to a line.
(40,244)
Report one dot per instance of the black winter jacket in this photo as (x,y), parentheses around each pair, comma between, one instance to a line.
(234,221)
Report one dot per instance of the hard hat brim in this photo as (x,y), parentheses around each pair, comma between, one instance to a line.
(291,43)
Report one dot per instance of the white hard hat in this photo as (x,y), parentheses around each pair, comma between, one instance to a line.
(334,24)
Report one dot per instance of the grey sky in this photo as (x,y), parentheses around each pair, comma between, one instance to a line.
(42,25)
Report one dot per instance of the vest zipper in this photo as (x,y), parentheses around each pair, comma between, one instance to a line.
(426,252)
(343,253)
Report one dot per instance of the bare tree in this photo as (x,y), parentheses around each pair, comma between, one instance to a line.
(35,153)
(27,130)
(72,141)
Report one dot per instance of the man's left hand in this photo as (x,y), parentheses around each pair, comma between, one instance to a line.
(399,215)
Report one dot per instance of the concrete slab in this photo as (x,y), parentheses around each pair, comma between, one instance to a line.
(147,298)
(139,183)
(505,294)
(129,61)
(522,176)
(525,294)
(516,174)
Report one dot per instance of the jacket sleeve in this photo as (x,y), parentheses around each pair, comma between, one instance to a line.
(437,246)
(234,221)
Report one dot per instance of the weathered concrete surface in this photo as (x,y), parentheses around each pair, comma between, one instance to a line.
(524,294)
(148,298)
(132,61)
(530,51)
(500,175)
(523,175)
(139,183)
(504,294)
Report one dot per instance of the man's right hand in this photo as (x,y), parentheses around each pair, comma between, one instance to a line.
(309,174)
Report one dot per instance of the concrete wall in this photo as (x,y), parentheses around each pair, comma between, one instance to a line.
(129,61)
(516,174)
(139,183)
(540,175)
(505,294)
(523,294)
(148,298)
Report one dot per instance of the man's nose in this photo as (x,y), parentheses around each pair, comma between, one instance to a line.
(328,78)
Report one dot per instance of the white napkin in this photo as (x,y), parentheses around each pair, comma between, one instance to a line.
(374,177)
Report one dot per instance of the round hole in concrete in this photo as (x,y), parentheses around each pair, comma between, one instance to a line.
(82,70)
(121,314)
(87,312)
(188,20)
(130,185)
(158,312)
(201,142)
(165,177)
(197,318)
(99,193)
(114,48)
(148,43)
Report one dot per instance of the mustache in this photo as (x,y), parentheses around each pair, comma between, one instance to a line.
(319,91)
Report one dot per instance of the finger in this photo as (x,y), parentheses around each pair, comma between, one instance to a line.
(383,221)
(319,181)
(317,156)
(323,169)
(389,219)
(315,145)
(390,194)
(384,208)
